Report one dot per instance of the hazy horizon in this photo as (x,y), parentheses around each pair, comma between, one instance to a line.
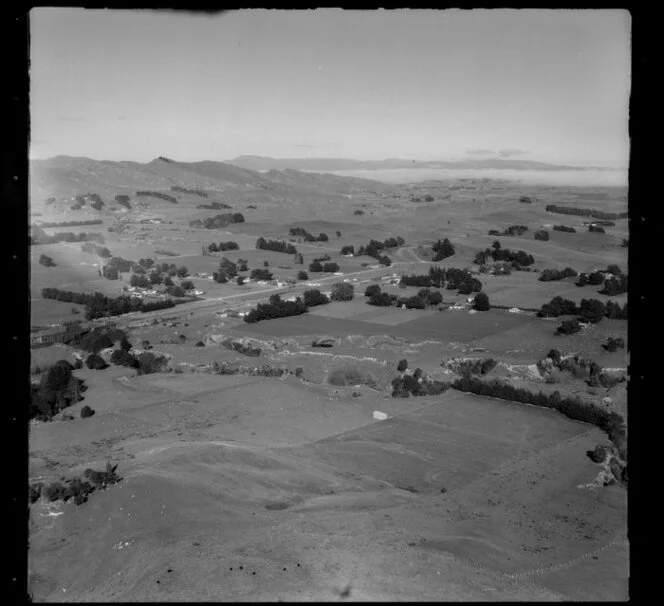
(543,85)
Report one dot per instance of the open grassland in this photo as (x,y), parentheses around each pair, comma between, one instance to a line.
(297,465)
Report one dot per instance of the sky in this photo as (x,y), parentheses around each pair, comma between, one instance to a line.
(545,85)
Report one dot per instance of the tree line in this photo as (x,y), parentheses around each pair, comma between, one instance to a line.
(215,206)
(157,194)
(308,237)
(590,310)
(218,221)
(585,212)
(98,305)
(275,246)
(70,223)
(184,190)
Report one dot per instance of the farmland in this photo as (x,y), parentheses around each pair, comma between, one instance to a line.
(252,464)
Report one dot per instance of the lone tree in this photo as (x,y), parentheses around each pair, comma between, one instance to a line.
(402,365)
(481,302)
(342,291)
(371,290)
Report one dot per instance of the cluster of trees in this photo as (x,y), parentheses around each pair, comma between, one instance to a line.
(184,190)
(526,199)
(616,285)
(76,489)
(57,390)
(514,230)
(456,279)
(564,228)
(276,308)
(46,261)
(348,250)
(95,249)
(416,384)
(221,247)
(518,258)
(316,267)
(541,234)
(98,305)
(579,368)
(308,237)
(443,250)
(227,270)
(216,206)
(82,199)
(421,300)
(550,275)
(574,408)
(596,229)
(479,366)
(276,246)
(585,212)
(218,221)
(71,223)
(123,201)
(590,310)
(156,194)
(374,248)
(594,278)
(604,223)
(261,274)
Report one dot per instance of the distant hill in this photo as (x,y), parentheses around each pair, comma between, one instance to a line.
(68,176)
(262,163)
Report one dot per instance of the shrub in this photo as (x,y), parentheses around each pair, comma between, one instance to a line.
(402,365)
(200,344)
(481,302)
(302,275)
(342,291)
(86,412)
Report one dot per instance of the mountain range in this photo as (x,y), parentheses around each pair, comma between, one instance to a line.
(263,163)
